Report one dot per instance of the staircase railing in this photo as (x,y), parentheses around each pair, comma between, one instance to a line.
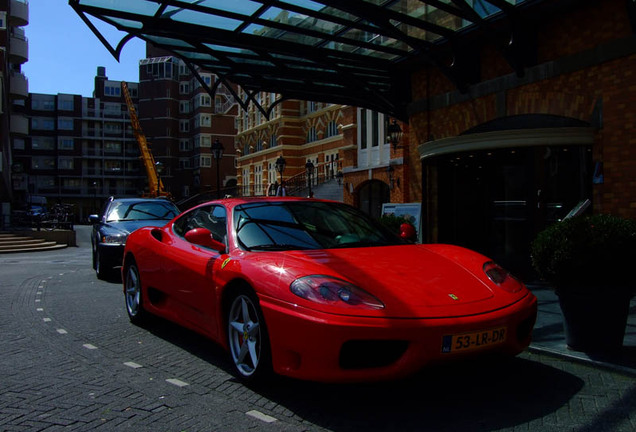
(298,184)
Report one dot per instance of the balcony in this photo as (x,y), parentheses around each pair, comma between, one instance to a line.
(18,49)
(19,124)
(91,132)
(19,13)
(19,85)
(113,132)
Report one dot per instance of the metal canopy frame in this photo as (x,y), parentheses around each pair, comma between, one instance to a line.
(354,52)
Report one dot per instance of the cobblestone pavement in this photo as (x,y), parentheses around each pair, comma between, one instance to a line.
(71,361)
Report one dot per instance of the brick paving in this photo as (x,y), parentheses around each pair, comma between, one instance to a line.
(102,373)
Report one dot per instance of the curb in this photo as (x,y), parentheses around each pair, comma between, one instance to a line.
(612,367)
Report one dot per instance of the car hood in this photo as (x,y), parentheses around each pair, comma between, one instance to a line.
(126,227)
(411,280)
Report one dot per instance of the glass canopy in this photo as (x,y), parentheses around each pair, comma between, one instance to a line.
(357,52)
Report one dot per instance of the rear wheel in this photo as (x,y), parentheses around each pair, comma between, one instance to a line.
(133,294)
(247,337)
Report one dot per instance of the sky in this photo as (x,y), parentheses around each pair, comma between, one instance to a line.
(64,53)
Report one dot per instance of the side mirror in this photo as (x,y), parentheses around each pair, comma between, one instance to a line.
(203,237)
(93,218)
(407,232)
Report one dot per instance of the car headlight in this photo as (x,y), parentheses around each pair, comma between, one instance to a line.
(502,277)
(332,291)
(118,239)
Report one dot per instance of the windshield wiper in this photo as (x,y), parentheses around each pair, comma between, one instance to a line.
(363,243)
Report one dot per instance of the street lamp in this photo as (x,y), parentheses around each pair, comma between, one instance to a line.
(95,196)
(389,171)
(280,167)
(217,153)
(159,171)
(310,172)
(395,134)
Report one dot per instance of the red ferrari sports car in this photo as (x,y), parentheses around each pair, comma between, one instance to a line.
(317,290)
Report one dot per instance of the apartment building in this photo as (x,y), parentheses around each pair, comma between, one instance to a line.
(80,150)
(14,52)
(185,123)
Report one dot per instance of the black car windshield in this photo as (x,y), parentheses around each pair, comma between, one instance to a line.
(298,225)
(141,210)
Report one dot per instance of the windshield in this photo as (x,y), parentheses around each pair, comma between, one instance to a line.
(146,210)
(295,225)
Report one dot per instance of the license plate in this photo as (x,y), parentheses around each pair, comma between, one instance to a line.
(474,340)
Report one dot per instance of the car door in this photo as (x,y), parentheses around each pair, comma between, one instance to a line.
(189,268)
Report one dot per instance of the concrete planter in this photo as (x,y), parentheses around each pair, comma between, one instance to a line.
(594,323)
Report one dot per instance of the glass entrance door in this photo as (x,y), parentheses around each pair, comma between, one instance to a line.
(496,201)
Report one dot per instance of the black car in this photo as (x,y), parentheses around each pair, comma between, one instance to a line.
(118,218)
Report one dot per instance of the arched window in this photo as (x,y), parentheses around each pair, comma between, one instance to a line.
(332,128)
(312,135)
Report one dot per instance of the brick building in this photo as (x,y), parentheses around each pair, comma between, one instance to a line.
(518,111)
(182,121)
(345,144)
(516,153)
(299,131)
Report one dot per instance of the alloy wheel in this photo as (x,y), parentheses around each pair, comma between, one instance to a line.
(133,292)
(245,335)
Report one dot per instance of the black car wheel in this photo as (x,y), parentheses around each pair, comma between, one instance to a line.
(102,269)
(247,337)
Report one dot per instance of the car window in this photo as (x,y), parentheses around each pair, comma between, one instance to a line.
(307,225)
(141,210)
(212,217)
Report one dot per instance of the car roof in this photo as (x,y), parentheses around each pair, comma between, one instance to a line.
(141,200)
(235,201)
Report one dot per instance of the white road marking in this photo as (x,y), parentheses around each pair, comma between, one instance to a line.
(133,365)
(46,319)
(260,416)
(177,382)
(89,346)
(62,331)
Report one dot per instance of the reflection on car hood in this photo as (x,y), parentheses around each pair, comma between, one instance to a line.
(126,227)
(411,280)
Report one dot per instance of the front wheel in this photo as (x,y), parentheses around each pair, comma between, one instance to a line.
(133,295)
(103,270)
(247,337)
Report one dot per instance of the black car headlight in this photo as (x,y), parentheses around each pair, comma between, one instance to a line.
(502,278)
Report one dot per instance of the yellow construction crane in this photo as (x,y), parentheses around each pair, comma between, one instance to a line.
(155,185)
